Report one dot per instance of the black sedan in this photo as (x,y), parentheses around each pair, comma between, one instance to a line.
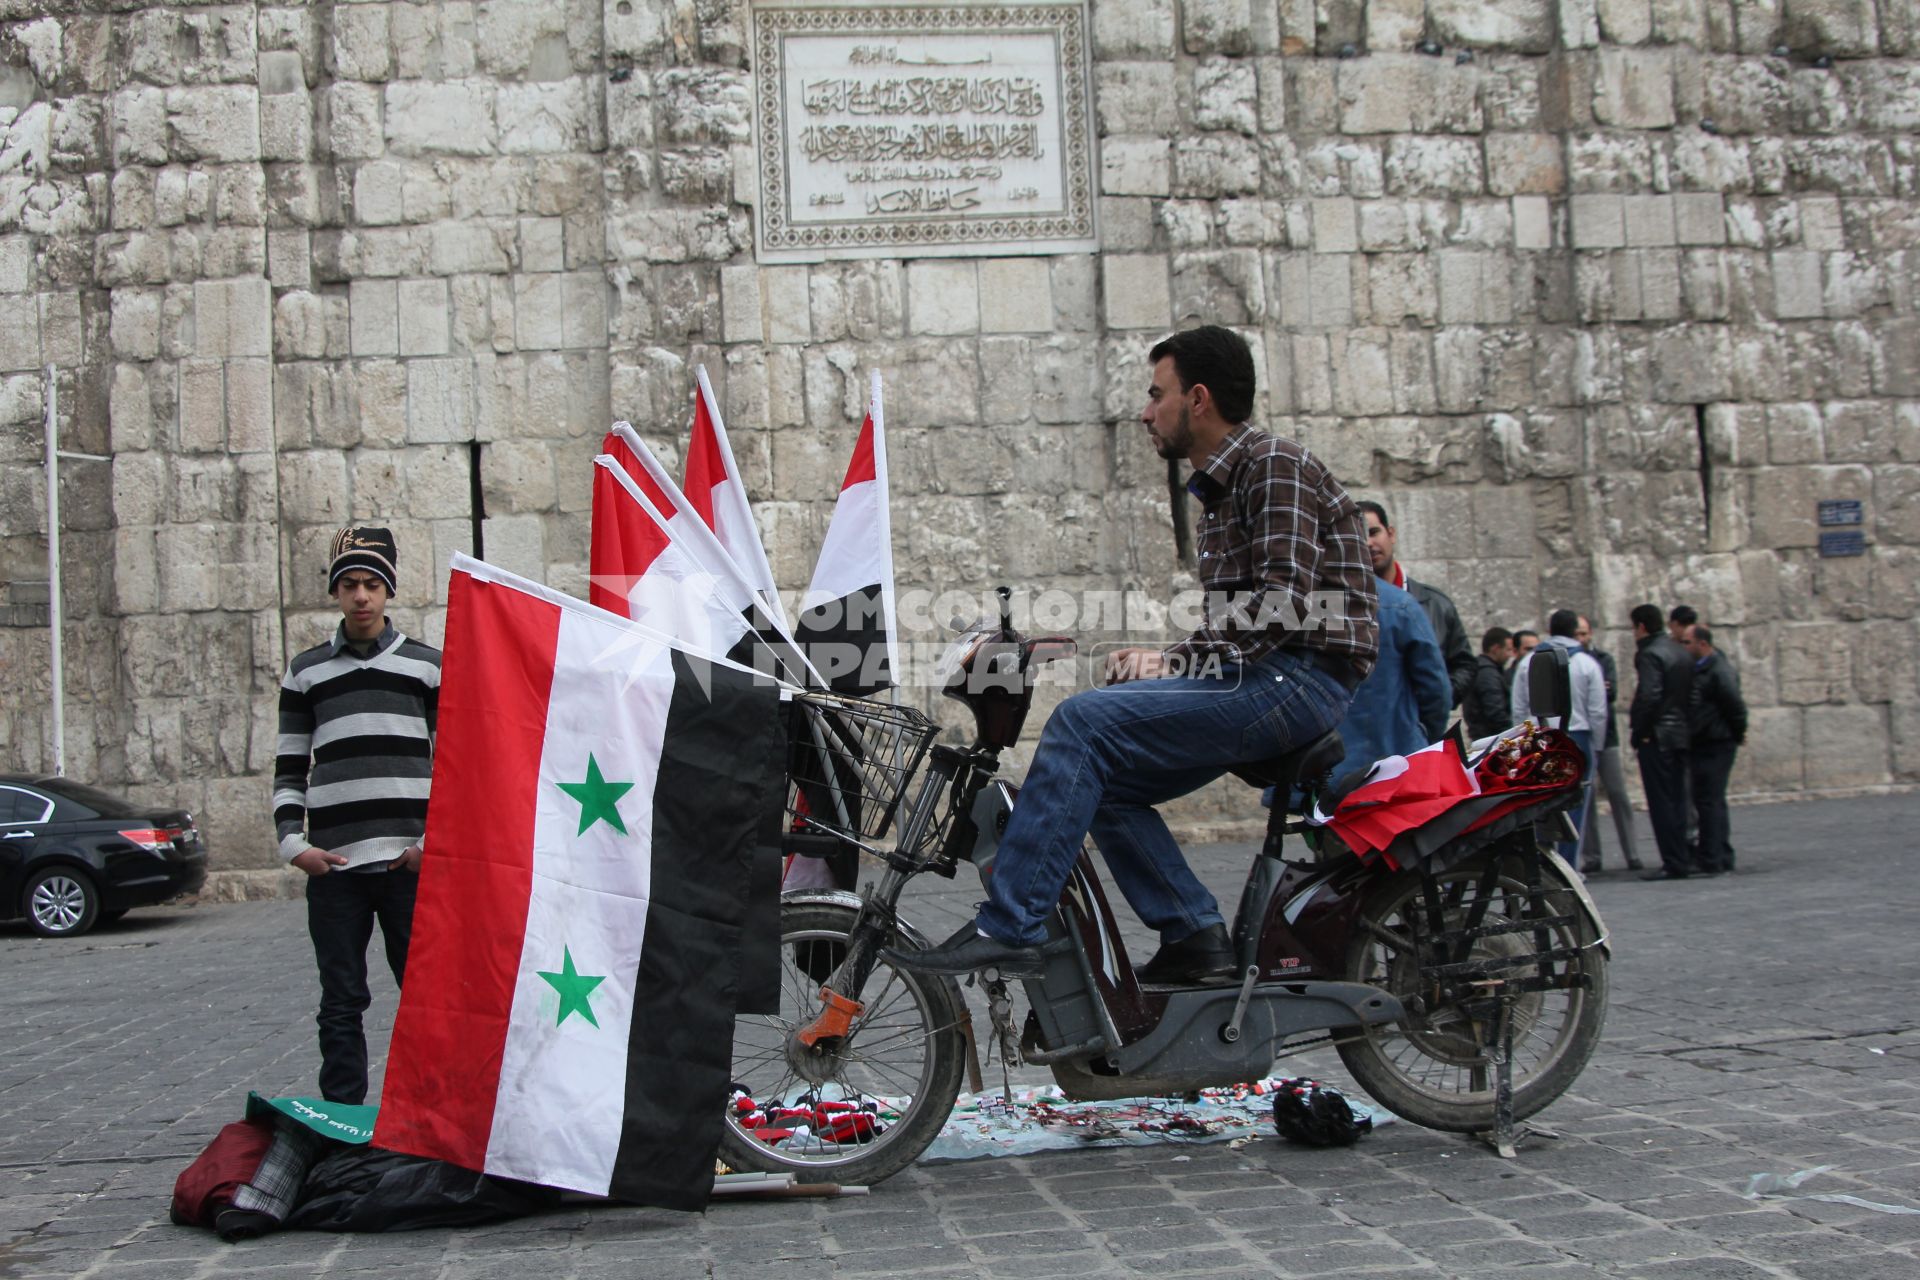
(72,856)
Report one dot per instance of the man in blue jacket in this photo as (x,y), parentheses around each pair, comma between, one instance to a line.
(1403,703)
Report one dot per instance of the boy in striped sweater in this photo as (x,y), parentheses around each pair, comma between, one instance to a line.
(353,767)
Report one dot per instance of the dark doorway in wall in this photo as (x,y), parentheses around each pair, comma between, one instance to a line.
(476,500)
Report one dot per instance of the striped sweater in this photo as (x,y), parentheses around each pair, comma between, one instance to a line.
(355,758)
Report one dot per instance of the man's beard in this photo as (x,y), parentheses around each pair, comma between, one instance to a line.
(1180,443)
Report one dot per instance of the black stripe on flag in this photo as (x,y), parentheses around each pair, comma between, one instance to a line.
(720,770)
(846,639)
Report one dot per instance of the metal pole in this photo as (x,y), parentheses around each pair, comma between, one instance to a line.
(53,573)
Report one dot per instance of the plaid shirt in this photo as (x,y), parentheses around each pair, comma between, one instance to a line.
(1279,531)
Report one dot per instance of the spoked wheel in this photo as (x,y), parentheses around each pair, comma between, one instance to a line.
(61,902)
(899,1065)
(1434,1066)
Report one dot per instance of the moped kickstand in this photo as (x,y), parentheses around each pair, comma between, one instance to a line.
(1505,1136)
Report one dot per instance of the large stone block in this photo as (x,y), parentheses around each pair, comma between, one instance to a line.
(943,297)
(1774,758)
(362,47)
(439,401)
(1633,88)
(1132,29)
(1216,164)
(218,123)
(1786,501)
(1226,96)
(1395,92)
(374,317)
(1525,164)
(1138,291)
(313,487)
(542,118)
(1896,503)
(1524,26)
(1842,28)
(1016,295)
(422,318)
(1846,747)
(1218,26)
(452,118)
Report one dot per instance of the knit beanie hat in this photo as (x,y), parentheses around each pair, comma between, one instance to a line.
(369,549)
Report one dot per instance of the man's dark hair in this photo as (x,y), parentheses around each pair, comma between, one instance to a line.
(1648,616)
(1563,622)
(1520,635)
(1494,636)
(1217,358)
(1374,509)
(1701,634)
(1684,614)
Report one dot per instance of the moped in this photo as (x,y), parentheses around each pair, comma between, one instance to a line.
(1464,993)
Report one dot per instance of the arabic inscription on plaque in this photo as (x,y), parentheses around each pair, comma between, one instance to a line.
(915,131)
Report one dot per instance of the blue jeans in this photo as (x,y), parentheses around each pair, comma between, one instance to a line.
(1108,755)
(1569,850)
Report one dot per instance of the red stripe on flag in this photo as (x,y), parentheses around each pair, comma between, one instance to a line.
(624,541)
(470,918)
(860,468)
(705,467)
(623,455)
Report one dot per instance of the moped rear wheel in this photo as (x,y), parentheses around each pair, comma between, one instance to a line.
(900,1064)
(1433,1066)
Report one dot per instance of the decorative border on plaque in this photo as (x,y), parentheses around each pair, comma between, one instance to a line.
(943,228)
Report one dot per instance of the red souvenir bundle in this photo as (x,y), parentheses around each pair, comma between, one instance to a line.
(1410,807)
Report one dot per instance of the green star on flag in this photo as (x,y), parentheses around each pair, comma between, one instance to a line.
(597,798)
(575,988)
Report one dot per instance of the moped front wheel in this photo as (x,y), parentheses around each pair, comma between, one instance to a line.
(1435,1066)
(864,1108)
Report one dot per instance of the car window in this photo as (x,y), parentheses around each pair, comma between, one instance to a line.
(102,803)
(19,805)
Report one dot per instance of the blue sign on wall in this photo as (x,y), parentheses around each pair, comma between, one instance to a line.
(1840,511)
(1846,542)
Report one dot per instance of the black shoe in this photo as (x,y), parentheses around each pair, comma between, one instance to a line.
(1663,873)
(1590,868)
(970,952)
(1206,956)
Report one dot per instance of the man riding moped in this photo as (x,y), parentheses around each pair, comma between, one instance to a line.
(1289,630)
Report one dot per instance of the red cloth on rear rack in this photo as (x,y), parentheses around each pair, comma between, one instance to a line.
(1410,805)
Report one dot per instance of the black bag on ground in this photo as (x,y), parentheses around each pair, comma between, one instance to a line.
(363,1188)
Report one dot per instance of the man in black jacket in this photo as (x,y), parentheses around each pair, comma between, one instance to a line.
(1486,705)
(1718,718)
(1381,539)
(1660,735)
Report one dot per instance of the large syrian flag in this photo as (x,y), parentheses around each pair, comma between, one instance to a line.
(711,481)
(847,617)
(567,1014)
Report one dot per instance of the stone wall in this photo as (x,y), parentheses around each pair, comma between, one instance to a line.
(1598,296)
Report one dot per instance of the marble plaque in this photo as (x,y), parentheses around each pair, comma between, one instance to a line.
(897,131)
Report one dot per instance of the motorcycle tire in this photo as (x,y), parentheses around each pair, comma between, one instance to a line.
(901,1064)
(1432,1067)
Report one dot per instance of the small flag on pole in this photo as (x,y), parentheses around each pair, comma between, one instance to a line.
(713,486)
(847,618)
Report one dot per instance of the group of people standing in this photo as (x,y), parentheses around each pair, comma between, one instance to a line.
(1685,723)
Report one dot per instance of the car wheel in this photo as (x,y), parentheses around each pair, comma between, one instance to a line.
(61,902)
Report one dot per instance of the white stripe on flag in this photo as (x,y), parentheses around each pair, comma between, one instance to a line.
(557,1116)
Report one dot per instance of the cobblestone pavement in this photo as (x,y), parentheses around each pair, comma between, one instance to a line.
(1760,1022)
